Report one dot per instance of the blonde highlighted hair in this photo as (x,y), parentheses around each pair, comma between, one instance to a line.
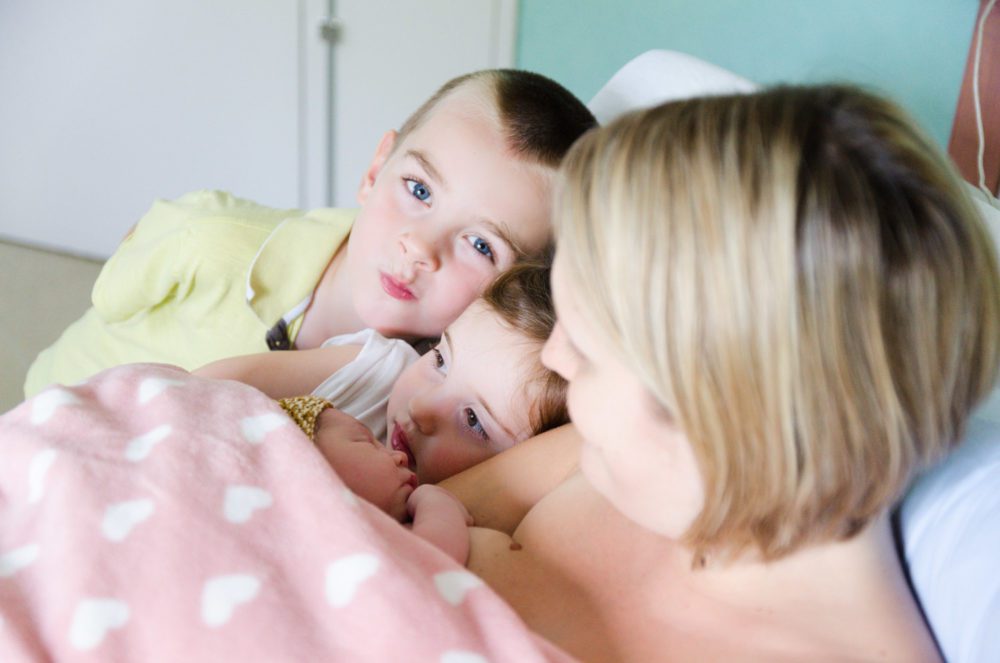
(802,285)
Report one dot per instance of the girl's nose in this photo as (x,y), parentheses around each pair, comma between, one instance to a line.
(399,457)
(422,412)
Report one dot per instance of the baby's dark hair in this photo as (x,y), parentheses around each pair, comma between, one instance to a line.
(541,118)
(522,297)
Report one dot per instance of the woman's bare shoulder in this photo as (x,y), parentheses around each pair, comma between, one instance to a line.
(603,588)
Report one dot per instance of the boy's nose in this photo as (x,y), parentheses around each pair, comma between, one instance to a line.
(420,251)
(399,457)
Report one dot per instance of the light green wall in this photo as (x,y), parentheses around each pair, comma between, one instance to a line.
(912,50)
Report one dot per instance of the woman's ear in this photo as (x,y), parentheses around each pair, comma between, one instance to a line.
(382,153)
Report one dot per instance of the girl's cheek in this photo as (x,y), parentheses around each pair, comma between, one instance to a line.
(408,382)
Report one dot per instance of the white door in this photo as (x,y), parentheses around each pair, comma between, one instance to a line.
(108,104)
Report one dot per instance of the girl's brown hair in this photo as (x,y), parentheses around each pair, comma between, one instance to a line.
(522,297)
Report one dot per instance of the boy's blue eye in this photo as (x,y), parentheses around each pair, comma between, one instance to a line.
(418,190)
(482,246)
(438,358)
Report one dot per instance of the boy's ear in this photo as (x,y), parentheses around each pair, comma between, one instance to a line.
(382,153)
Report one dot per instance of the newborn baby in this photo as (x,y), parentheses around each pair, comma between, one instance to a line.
(381,476)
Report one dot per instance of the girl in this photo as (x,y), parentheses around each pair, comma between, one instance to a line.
(481,390)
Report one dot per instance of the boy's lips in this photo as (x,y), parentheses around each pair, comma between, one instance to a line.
(395,288)
(400,442)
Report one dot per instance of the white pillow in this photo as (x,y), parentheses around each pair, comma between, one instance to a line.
(950,525)
(658,76)
(950,522)
(990,209)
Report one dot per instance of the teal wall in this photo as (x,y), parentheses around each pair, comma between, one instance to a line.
(912,50)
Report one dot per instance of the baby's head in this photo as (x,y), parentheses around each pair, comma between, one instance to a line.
(372,471)
(456,197)
(802,289)
(483,388)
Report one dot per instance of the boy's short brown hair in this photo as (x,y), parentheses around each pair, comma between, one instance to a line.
(522,297)
(540,117)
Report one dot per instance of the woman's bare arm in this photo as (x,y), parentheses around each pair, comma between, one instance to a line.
(283,374)
(500,491)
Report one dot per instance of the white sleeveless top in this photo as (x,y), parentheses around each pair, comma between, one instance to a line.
(361,388)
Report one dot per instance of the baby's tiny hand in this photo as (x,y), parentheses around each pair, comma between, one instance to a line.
(435,498)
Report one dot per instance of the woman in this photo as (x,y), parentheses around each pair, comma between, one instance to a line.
(773,310)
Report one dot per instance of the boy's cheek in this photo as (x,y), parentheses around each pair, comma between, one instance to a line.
(459,286)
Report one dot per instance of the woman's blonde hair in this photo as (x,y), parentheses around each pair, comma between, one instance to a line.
(802,285)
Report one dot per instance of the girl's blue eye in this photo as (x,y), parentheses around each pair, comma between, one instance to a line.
(474,425)
(438,358)
(418,190)
(482,246)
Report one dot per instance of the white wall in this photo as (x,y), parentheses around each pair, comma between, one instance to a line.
(109,104)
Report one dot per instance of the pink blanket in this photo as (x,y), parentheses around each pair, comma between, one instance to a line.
(148,515)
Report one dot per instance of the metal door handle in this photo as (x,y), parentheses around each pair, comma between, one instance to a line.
(330,28)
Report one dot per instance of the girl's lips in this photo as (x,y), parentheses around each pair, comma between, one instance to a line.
(396,288)
(400,442)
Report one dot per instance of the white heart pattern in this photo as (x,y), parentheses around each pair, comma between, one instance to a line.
(17,559)
(454,585)
(38,469)
(150,388)
(462,657)
(121,518)
(255,429)
(141,446)
(47,402)
(242,501)
(222,594)
(344,576)
(92,620)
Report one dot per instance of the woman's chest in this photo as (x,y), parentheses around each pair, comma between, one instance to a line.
(593,579)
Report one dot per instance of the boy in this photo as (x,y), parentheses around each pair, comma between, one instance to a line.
(447,203)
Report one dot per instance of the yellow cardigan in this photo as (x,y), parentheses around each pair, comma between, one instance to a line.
(200,278)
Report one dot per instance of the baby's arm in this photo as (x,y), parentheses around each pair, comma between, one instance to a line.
(285,373)
(441,519)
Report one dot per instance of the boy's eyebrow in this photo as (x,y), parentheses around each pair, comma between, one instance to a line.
(426,164)
(505,236)
(498,229)
(479,398)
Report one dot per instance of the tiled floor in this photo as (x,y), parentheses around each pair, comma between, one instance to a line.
(40,294)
